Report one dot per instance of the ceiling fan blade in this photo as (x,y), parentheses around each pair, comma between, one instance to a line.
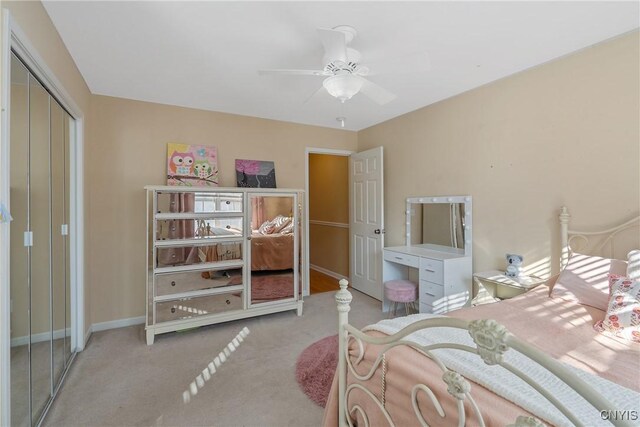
(335,44)
(293,72)
(376,93)
(406,64)
(314,94)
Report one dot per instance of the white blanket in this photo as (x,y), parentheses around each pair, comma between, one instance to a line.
(505,384)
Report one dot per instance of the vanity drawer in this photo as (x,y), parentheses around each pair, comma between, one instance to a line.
(200,306)
(400,258)
(432,270)
(435,309)
(175,283)
(429,290)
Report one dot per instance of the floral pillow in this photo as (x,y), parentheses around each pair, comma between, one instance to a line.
(623,315)
(613,278)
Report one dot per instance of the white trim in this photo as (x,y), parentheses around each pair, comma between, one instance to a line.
(14,38)
(307,151)
(328,223)
(114,324)
(5,303)
(87,334)
(41,337)
(328,272)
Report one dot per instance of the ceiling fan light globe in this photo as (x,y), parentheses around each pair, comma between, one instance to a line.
(342,86)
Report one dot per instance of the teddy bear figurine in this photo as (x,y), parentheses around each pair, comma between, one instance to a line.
(514,261)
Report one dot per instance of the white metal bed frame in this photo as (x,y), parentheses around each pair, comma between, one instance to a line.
(492,340)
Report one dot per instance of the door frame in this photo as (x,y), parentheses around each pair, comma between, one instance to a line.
(14,38)
(307,151)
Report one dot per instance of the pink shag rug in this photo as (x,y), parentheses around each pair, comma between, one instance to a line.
(316,367)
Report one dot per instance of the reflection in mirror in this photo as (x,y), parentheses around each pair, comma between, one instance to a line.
(439,224)
(272,248)
(190,255)
(39,198)
(204,202)
(19,260)
(171,229)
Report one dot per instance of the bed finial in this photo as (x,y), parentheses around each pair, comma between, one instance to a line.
(343,298)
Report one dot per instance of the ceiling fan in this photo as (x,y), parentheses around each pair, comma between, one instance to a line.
(343,72)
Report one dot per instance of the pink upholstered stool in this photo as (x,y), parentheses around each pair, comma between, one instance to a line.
(401,292)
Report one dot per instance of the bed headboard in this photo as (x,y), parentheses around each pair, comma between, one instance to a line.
(613,242)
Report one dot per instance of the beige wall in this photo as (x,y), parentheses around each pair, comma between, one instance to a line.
(563,133)
(329,201)
(128,152)
(34,21)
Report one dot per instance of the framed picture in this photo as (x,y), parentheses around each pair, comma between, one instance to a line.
(192,165)
(255,173)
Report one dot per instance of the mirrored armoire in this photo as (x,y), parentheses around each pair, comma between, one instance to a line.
(221,254)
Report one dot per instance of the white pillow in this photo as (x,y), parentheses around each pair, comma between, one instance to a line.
(633,264)
(585,279)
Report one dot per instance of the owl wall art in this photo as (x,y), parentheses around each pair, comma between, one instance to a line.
(192,165)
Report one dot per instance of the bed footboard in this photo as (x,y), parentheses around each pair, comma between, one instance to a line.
(489,342)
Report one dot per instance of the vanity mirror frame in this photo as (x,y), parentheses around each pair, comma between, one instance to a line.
(468,215)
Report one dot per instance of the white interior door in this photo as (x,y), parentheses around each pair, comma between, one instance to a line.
(366,221)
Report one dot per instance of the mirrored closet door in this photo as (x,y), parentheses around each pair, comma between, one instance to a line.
(39,252)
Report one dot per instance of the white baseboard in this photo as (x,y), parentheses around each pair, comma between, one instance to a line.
(120,323)
(41,337)
(328,272)
(96,327)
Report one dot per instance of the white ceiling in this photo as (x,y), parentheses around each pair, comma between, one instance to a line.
(206,54)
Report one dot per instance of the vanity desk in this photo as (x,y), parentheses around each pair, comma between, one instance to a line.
(437,256)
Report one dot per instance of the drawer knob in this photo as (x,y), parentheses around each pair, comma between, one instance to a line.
(228,302)
(173,283)
(228,227)
(228,202)
(173,309)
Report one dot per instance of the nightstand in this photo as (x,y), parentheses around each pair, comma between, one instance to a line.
(492,286)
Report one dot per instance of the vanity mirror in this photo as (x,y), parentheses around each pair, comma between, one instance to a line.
(440,223)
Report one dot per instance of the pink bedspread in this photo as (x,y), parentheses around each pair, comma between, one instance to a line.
(271,252)
(561,328)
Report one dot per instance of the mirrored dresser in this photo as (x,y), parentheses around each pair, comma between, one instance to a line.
(438,253)
(221,254)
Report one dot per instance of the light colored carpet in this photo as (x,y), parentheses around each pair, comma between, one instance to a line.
(119,380)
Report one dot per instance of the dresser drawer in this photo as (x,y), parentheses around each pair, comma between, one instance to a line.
(171,256)
(400,258)
(430,290)
(175,283)
(200,306)
(198,202)
(432,270)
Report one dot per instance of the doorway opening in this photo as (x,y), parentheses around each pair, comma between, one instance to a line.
(327,194)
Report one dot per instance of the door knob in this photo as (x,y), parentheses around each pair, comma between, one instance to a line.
(378,231)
